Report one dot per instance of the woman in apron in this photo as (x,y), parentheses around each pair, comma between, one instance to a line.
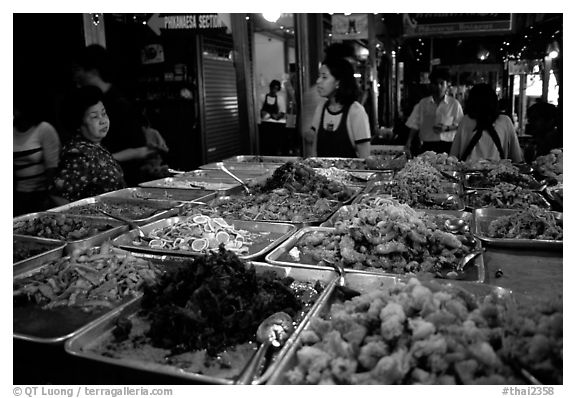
(340,127)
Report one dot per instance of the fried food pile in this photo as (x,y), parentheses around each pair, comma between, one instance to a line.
(416,334)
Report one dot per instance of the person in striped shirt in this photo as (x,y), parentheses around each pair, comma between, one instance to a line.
(36,151)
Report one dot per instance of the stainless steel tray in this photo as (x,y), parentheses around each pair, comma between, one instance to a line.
(365,284)
(111,229)
(465,215)
(261,159)
(158,209)
(468,182)
(280,256)
(53,326)
(297,224)
(379,187)
(471,201)
(175,182)
(276,233)
(52,249)
(483,217)
(354,178)
(242,166)
(220,176)
(349,164)
(440,201)
(162,194)
(84,343)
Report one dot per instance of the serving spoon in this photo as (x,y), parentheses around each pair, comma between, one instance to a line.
(225,170)
(272,332)
(130,223)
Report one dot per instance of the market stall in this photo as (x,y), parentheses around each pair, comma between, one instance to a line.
(391,271)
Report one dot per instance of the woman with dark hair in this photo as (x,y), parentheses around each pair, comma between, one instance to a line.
(86,168)
(484,132)
(35,150)
(340,126)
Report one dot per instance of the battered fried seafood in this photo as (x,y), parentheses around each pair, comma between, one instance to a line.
(409,334)
(387,236)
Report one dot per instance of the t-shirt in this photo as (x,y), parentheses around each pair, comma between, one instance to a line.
(485,148)
(35,151)
(357,123)
(426,114)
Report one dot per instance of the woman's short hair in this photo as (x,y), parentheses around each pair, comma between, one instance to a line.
(83,98)
(343,72)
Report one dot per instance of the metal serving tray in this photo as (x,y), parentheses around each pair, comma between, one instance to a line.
(465,215)
(449,201)
(356,178)
(54,326)
(280,256)
(52,250)
(114,228)
(158,209)
(353,164)
(452,188)
(175,182)
(261,159)
(162,194)
(242,166)
(483,217)
(365,284)
(470,201)
(276,234)
(220,176)
(297,224)
(84,343)
(468,181)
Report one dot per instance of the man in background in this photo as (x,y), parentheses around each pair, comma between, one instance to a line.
(434,120)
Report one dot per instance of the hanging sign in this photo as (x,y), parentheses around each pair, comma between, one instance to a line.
(349,27)
(446,24)
(522,66)
(187,22)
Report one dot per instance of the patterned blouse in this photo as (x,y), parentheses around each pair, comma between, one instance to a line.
(86,169)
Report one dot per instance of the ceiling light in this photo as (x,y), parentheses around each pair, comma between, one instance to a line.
(553,50)
(271,16)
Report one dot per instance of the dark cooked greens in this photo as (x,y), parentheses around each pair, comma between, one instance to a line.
(213,303)
(301,178)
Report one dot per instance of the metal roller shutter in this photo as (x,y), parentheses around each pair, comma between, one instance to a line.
(222,125)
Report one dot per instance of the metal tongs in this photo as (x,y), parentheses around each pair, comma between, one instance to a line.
(225,170)
(130,223)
